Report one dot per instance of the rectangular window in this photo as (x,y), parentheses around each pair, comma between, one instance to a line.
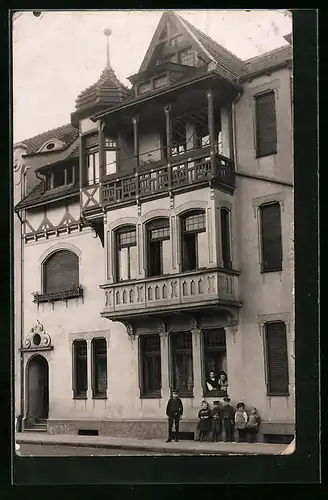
(182,363)
(271,239)
(80,370)
(276,359)
(188,57)
(126,245)
(99,368)
(215,354)
(59,178)
(266,127)
(192,226)
(110,156)
(179,141)
(225,238)
(144,87)
(69,175)
(161,81)
(158,231)
(92,161)
(150,353)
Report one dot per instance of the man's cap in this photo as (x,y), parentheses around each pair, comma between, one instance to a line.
(227,400)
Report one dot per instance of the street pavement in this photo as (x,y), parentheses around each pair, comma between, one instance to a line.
(40,450)
(133,446)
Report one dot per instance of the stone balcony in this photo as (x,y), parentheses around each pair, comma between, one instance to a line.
(190,291)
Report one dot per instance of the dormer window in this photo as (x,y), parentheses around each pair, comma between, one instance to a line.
(60,177)
(50,146)
(161,81)
(187,57)
(145,87)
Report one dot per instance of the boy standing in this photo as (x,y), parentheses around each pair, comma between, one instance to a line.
(241,419)
(227,417)
(174,411)
(216,421)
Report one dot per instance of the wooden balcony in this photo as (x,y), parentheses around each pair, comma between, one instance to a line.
(190,291)
(185,173)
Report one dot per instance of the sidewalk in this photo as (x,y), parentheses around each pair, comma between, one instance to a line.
(153,445)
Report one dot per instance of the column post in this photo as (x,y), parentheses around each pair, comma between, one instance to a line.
(102,157)
(81,162)
(89,369)
(197,363)
(211,127)
(164,340)
(168,129)
(136,151)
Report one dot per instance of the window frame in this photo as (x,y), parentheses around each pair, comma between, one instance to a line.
(195,232)
(154,355)
(267,268)
(94,357)
(50,178)
(79,394)
(258,152)
(43,271)
(173,352)
(228,238)
(162,223)
(92,152)
(110,144)
(268,376)
(205,354)
(117,246)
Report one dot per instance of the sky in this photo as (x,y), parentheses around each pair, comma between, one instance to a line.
(59,54)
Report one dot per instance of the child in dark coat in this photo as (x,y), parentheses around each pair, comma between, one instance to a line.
(216,421)
(227,417)
(204,424)
(174,411)
(253,425)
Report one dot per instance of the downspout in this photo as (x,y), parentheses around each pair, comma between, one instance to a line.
(234,136)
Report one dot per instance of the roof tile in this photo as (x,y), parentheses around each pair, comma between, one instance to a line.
(65,133)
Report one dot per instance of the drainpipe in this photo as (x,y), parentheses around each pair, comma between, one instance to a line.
(234,137)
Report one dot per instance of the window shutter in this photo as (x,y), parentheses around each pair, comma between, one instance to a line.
(271,237)
(277,358)
(266,128)
(61,271)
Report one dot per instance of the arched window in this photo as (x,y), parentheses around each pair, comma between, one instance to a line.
(60,271)
(158,247)
(126,253)
(225,238)
(193,227)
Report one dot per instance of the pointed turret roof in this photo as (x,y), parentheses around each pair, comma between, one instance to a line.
(106,92)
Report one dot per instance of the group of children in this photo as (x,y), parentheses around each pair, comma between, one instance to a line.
(225,418)
(222,418)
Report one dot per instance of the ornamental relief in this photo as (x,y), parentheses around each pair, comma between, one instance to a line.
(37,337)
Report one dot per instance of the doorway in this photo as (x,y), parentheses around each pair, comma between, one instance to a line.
(38,389)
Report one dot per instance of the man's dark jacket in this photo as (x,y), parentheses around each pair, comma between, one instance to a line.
(174,408)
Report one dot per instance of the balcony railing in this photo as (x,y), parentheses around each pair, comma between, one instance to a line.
(65,294)
(181,291)
(183,173)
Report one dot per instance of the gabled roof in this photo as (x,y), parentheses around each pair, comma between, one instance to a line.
(270,59)
(231,65)
(65,133)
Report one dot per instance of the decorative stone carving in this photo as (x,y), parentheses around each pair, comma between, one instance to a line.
(129,329)
(37,337)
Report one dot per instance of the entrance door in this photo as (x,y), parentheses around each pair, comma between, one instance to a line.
(38,388)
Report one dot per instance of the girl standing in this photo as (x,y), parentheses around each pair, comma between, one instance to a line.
(241,419)
(253,425)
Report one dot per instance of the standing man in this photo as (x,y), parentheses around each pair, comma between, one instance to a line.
(174,411)
(227,416)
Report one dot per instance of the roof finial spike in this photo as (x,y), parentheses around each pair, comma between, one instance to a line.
(107,33)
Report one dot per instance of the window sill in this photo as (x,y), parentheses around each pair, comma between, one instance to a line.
(69,293)
(257,156)
(278,394)
(80,397)
(186,395)
(151,396)
(276,270)
(99,397)
(215,394)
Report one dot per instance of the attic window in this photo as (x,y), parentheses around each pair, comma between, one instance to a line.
(50,146)
(145,87)
(161,81)
(187,57)
(64,176)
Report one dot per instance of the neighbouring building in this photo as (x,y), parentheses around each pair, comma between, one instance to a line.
(154,244)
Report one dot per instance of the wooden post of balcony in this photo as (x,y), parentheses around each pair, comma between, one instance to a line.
(81,163)
(102,157)
(168,129)
(211,127)
(136,150)
(197,362)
